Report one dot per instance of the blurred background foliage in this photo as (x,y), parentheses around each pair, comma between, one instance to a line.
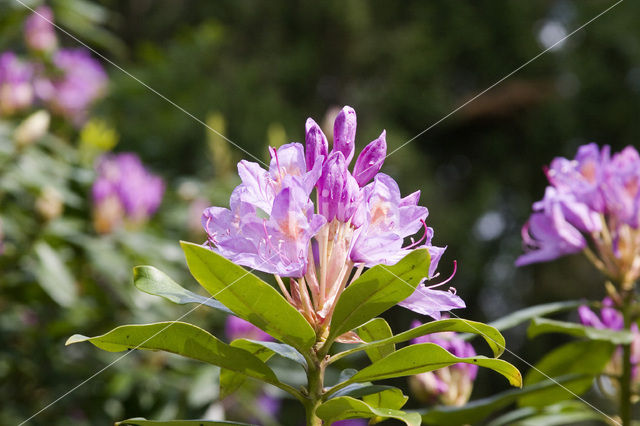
(254,71)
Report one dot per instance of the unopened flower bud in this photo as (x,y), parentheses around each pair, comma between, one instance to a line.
(316,143)
(32,129)
(344,133)
(370,160)
(39,32)
(450,385)
(331,185)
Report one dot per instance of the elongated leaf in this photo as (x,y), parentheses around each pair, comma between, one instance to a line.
(542,325)
(475,411)
(139,421)
(371,331)
(564,413)
(153,281)
(377,290)
(346,407)
(388,398)
(249,297)
(358,390)
(182,339)
(587,357)
(518,317)
(423,357)
(54,276)
(492,336)
(280,349)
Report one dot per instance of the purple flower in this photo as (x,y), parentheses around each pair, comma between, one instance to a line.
(582,176)
(39,32)
(449,385)
(621,187)
(593,204)
(612,319)
(124,189)
(81,82)
(351,422)
(16,91)
(237,328)
(273,226)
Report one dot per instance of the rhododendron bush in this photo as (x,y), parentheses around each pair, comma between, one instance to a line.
(359,220)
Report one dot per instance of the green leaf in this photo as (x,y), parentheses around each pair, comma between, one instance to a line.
(388,398)
(587,357)
(475,411)
(182,339)
(153,281)
(492,336)
(358,390)
(377,290)
(230,381)
(423,357)
(518,317)
(377,329)
(280,349)
(564,413)
(346,407)
(249,297)
(54,276)
(542,325)
(139,421)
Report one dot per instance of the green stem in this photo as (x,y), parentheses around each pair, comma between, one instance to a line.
(315,380)
(625,379)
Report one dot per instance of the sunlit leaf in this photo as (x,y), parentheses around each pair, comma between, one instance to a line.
(377,329)
(423,357)
(492,336)
(182,339)
(249,297)
(346,407)
(155,282)
(377,290)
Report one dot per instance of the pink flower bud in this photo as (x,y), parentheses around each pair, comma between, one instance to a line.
(316,143)
(370,160)
(344,133)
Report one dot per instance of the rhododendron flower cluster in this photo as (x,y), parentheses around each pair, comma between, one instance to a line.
(124,189)
(592,205)
(67,81)
(359,219)
(449,385)
(610,318)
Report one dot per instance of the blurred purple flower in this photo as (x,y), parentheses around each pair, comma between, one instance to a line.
(612,319)
(81,81)
(124,189)
(449,385)
(39,31)
(16,91)
(593,203)
(237,328)
(273,226)
(351,422)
